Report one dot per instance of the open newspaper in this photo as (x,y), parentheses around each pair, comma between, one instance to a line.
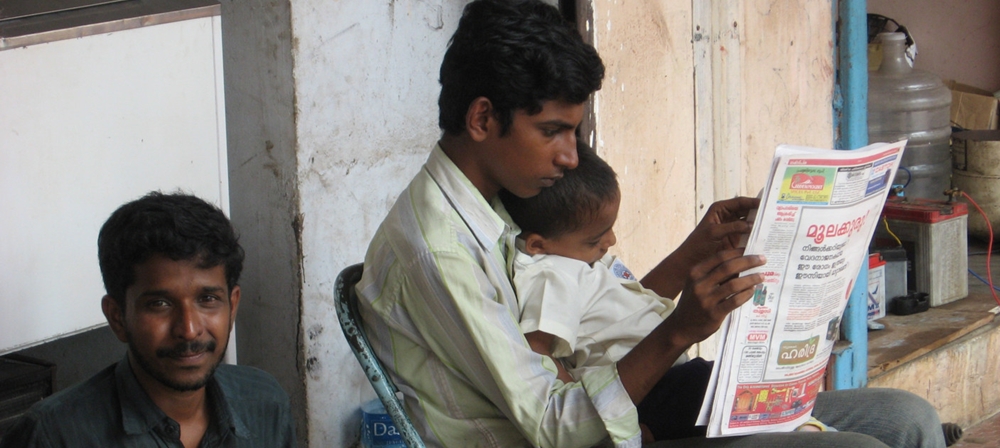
(816,218)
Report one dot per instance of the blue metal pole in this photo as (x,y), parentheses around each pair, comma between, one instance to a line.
(853,74)
(850,365)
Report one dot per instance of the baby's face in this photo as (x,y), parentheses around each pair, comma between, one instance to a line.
(591,242)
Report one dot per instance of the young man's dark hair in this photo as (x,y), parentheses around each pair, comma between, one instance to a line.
(569,204)
(177,226)
(510,53)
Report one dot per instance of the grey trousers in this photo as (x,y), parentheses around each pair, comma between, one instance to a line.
(862,417)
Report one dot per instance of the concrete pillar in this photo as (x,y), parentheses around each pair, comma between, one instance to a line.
(331,110)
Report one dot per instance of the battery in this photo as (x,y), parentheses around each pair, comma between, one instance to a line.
(935,237)
(895,272)
(876,286)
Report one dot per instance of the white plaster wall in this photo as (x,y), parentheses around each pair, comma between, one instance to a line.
(366,105)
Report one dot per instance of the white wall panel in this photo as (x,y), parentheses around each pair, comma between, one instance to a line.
(87,124)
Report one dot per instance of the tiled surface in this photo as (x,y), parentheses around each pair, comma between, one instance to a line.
(986,434)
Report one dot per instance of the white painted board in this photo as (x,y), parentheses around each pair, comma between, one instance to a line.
(87,124)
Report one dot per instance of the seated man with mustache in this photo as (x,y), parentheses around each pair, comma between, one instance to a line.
(170,264)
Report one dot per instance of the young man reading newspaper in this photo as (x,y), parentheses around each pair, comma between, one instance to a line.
(438,303)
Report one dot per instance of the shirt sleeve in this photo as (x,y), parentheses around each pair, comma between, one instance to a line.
(551,301)
(287,425)
(27,432)
(455,308)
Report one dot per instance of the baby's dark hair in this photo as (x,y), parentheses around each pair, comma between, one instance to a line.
(177,226)
(571,203)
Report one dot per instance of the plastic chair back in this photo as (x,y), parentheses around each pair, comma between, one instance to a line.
(346,300)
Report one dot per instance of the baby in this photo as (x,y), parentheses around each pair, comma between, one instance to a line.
(578,303)
(582,306)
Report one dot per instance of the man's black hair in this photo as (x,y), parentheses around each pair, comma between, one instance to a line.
(571,203)
(517,54)
(177,226)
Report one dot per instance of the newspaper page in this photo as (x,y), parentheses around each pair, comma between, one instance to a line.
(816,218)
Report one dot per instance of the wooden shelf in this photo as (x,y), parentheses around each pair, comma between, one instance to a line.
(908,337)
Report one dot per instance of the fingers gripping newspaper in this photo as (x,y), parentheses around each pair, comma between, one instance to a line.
(816,218)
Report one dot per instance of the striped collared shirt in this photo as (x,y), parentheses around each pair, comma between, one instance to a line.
(441,313)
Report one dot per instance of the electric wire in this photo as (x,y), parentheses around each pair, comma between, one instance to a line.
(909,176)
(887,229)
(974,274)
(989,247)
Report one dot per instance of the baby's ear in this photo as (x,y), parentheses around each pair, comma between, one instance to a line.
(534,244)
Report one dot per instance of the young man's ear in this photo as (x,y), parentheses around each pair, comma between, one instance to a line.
(534,244)
(479,119)
(115,316)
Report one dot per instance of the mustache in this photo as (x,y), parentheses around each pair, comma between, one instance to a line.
(186,349)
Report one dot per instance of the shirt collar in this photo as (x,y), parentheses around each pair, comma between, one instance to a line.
(225,416)
(140,414)
(488,222)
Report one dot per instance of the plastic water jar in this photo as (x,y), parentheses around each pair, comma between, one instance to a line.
(904,102)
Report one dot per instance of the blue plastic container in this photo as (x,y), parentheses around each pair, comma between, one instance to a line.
(377,429)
